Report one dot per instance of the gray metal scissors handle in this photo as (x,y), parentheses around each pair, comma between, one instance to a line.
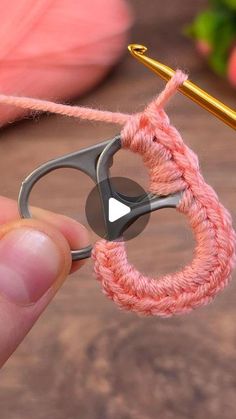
(95,161)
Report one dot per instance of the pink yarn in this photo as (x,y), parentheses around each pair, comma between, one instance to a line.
(232,67)
(172,167)
(58,49)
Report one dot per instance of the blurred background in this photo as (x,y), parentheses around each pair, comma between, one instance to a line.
(86,359)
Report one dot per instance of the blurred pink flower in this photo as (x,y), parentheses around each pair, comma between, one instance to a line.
(232,67)
(203,47)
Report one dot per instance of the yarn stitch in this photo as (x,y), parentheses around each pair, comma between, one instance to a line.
(172,167)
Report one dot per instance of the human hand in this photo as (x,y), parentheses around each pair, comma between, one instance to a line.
(34,262)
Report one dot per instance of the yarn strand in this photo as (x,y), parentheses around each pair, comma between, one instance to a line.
(67,110)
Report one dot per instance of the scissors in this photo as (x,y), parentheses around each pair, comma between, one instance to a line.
(96,161)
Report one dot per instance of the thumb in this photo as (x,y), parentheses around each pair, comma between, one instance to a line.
(34,261)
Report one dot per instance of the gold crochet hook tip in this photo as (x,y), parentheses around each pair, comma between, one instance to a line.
(189,89)
(135,49)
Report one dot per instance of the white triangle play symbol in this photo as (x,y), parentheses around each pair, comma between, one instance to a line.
(116,209)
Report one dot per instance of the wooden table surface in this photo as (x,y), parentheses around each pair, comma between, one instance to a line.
(86,359)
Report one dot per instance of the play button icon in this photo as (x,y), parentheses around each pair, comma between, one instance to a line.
(116,209)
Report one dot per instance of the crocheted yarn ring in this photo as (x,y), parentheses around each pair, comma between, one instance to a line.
(172,167)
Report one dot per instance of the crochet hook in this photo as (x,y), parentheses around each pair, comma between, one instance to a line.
(189,89)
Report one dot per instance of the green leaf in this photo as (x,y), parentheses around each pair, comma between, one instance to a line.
(230,4)
(204,26)
(217,27)
(218,62)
